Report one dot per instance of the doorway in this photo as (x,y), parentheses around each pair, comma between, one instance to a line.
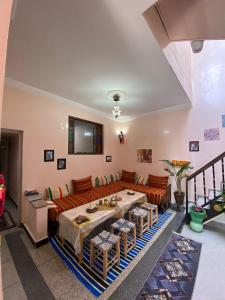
(11,146)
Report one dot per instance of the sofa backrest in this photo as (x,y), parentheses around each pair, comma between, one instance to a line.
(160,182)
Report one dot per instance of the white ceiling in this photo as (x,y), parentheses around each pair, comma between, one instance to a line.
(81,49)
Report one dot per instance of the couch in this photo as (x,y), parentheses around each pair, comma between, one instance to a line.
(158,192)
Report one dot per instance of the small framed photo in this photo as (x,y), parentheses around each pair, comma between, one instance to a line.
(48,155)
(61,163)
(194,146)
(108,158)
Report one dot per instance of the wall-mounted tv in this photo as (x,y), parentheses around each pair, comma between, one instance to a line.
(84,137)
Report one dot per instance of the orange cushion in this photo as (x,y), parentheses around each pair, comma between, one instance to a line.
(128,176)
(159,182)
(82,185)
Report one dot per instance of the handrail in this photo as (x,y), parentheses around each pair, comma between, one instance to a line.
(209,164)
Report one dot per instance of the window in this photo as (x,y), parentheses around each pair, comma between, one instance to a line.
(84,137)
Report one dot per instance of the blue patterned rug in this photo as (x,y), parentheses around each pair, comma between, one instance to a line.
(174,274)
(92,279)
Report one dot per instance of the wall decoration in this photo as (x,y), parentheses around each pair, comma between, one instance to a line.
(223,121)
(212,134)
(108,158)
(144,155)
(61,163)
(194,146)
(48,155)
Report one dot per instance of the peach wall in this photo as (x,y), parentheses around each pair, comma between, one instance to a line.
(44,122)
(5,10)
(179,56)
(169,133)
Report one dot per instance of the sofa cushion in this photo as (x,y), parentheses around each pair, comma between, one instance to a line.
(58,192)
(103,180)
(115,177)
(159,182)
(82,185)
(141,180)
(75,200)
(128,176)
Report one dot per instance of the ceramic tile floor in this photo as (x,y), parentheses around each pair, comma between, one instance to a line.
(208,286)
(209,283)
(11,284)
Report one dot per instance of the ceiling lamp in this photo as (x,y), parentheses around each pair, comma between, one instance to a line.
(116,96)
(116,110)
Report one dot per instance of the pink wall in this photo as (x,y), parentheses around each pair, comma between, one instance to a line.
(169,133)
(5,10)
(44,122)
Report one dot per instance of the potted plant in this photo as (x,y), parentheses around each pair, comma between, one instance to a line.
(178,169)
(198,215)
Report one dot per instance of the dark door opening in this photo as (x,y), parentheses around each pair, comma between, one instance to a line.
(11,168)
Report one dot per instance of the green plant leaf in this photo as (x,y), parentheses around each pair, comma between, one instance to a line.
(168,162)
(183,168)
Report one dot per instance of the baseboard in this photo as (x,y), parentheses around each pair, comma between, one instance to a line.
(36,244)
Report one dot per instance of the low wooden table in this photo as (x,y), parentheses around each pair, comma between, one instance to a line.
(72,232)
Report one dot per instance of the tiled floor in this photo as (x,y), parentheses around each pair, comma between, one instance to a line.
(13,210)
(11,284)
(208,286)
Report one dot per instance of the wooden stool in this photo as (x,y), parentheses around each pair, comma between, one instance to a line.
(127,232)
(141,218)
(102,244)
(153,210)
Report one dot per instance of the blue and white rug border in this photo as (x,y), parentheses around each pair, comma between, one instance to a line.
(108,292)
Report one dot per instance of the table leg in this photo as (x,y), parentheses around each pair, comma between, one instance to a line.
(81,249)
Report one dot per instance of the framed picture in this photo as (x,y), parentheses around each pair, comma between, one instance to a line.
(194,146)
(108,158)
(48,155)
(144,155)
(212,134)
(61,163)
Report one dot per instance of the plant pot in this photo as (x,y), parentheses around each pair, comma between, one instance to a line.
(179,197)
(197,217)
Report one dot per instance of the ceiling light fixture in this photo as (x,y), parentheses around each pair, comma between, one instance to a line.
(116,96)
(116,110)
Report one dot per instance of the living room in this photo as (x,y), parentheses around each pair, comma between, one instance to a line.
(59,66)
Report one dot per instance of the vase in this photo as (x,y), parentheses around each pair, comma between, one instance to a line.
(197,217)
(179,197)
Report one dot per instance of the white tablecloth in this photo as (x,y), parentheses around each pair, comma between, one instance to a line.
(70,231)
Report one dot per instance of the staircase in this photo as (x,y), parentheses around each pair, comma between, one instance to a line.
(206,188)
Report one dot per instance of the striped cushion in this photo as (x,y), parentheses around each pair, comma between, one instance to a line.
(159,182)
(141,180)
(108,179)
(75,200)
(55,193)
(100,181)
(128,176)
(82,185)
(115,177)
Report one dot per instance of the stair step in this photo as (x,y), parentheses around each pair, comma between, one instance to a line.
(211,215)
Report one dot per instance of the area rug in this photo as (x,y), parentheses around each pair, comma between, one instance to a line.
(174,274)
(92,279)
(6,221)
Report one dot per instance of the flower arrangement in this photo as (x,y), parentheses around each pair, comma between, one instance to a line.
(177,169)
